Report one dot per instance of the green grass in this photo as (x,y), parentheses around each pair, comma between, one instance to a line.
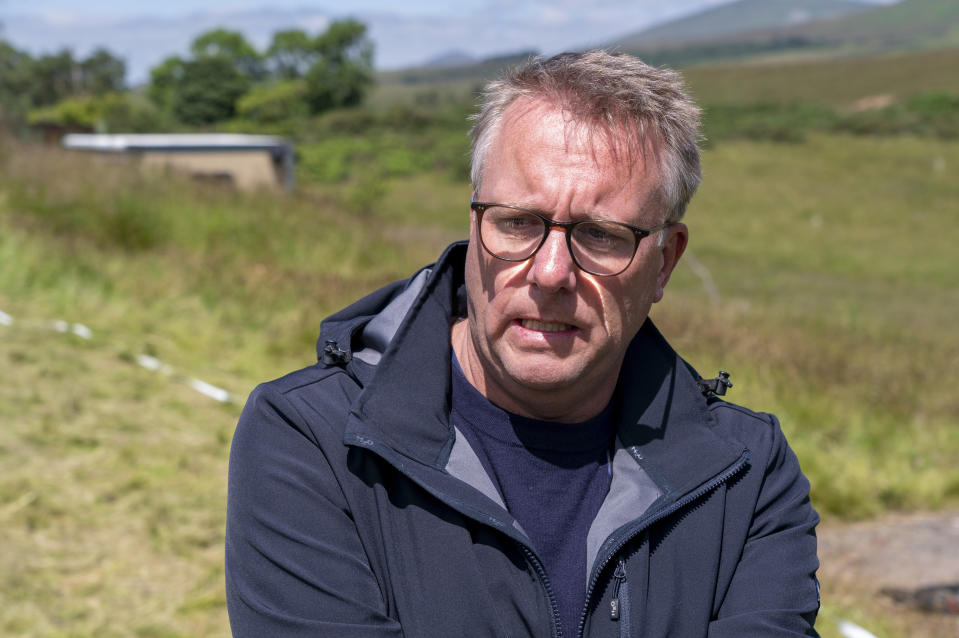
(832,256)
(832,82)
(833,262)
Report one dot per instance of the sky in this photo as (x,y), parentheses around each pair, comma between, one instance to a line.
(405,33)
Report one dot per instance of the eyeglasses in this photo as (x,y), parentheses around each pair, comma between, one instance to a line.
(599,247)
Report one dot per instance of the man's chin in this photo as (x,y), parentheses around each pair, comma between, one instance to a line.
(541,374)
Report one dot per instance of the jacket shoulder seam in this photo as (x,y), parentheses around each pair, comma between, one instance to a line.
(288,383)
(763,417)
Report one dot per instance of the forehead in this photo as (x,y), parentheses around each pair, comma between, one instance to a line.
(543,144)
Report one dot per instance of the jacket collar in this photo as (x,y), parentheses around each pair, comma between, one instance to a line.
(665,421)
(405,405)
(403,410)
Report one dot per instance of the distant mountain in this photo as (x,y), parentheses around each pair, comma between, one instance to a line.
(476,72)
(719,38)
(869,30)
(450,59)
(736,18)
(907,24)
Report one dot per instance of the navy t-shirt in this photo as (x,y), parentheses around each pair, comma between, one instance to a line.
(552,476)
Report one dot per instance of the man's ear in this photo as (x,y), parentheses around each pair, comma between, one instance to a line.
(674,245)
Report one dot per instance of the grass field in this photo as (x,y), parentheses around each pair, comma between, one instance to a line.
(832,82)
(837,290)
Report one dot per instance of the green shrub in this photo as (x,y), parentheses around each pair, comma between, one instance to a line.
(344,122)
(939,113)
(926,115)
(108,113)
(764,121)
(274,102)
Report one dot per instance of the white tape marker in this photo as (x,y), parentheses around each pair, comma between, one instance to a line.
(215,393)
(81,331)
(152,363)
(852,630)
(144,360)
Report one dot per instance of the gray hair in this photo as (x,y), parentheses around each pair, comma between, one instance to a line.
(611,93)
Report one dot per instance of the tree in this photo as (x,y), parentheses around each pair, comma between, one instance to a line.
(208,91)
(230,46)
(291,54)
(331,70)
(14,69)
(102,72)
(53,78)
(165,78)
(269,103)
(344,69)
(110,112)
(205,89)
(15,80)
(40,85)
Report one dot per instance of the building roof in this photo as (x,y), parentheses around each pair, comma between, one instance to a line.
(174,142)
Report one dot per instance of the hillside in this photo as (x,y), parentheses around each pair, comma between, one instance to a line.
(911,23)
(836,83)
(906,26)
(750,31)
(468,72)
(744,16)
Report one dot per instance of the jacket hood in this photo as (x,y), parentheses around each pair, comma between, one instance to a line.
(389,342)
(360,334)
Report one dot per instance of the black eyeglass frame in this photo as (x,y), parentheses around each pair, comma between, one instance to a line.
(567,227)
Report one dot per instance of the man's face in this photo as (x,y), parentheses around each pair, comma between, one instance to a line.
(545,338)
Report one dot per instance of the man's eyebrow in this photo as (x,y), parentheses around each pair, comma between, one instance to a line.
(574,215)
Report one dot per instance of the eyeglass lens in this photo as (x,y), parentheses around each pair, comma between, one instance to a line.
(601,248)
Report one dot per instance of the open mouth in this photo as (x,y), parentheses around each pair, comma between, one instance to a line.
(546,326)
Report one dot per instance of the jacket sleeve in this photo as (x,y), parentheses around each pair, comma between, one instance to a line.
(773,590)
(295,565)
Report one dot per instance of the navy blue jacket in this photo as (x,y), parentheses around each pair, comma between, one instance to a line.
(355,509)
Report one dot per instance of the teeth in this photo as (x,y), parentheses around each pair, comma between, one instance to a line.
(545,326)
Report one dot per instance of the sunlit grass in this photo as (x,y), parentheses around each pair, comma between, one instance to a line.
(838,291)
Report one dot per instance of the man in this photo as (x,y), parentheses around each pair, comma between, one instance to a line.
(504,445)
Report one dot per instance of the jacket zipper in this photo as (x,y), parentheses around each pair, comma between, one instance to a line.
(620,579)
(619,605)
(556,630)
(681,503)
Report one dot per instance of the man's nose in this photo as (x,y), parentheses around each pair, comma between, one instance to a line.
(553,267)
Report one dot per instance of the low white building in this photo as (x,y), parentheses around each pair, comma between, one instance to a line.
(246,161)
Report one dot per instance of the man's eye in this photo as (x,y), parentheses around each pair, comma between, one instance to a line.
(597,234)
(603,237)
(514,222)
(518,224)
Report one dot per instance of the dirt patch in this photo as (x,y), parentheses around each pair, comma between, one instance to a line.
(897,551)
(872,103)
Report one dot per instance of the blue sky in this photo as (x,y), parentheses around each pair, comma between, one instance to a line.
(405,33)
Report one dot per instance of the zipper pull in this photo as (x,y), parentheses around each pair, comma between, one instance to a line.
(333,355)
(619,578)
